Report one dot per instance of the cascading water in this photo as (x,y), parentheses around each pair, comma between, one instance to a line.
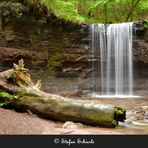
(113,43)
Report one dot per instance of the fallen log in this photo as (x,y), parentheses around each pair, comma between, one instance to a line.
(17,89)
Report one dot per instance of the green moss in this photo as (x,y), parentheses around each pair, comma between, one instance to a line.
(55,54)
(54,61)
(119,110)
(5,98)
(114,123)
(2,104)
(7,95)
(28,97)
(119,114)
(23,93)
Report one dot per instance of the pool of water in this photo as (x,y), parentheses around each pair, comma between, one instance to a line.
(95,95)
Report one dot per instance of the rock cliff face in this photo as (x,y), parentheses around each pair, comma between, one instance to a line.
(60,47)
(12,55)
(63,48)
(140,44)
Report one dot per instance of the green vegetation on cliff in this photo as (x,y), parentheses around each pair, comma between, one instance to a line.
(79,11)
(101,11)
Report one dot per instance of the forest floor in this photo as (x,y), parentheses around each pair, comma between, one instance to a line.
(12,122)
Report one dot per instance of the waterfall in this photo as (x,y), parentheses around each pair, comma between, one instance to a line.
(113,43)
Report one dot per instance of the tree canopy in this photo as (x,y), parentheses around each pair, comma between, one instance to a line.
(99,11)
(80,11)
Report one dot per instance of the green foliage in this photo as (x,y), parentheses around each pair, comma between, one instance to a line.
(144,5)
(64,9)
(146,24)
(101,11)
(79,11)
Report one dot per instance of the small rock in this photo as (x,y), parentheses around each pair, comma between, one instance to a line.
(72,125)
(144,107)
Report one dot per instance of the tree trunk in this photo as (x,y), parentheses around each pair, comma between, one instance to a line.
(18,90)
(106,12)
(132,9)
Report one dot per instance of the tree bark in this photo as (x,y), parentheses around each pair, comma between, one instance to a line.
(18,90)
